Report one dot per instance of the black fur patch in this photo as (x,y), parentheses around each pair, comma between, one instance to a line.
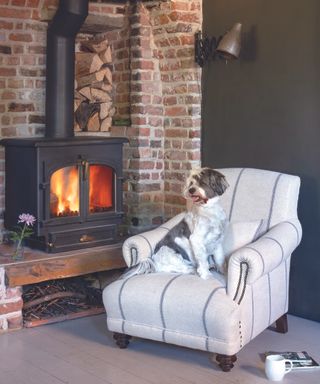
(179,230)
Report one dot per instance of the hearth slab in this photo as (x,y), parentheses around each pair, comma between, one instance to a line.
(39,266)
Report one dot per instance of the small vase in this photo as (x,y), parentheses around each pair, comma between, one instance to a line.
(18,251)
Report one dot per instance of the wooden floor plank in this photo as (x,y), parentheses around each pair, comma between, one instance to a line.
(82,352)
(181,364)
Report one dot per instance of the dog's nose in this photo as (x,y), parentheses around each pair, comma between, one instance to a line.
(192,190)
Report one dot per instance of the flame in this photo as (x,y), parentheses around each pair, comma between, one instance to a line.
(100,188)
(64,191)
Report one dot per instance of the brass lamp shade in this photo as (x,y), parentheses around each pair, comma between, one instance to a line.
(230,44)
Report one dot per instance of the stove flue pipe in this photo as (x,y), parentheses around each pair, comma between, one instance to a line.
(61,36)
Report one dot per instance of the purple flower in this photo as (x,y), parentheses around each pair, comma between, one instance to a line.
(27,219)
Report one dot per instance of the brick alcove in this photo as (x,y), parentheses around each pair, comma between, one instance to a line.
(156,88)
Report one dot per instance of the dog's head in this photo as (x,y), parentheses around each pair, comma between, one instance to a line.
(204,184)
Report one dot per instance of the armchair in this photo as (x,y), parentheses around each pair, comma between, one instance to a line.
(222,314)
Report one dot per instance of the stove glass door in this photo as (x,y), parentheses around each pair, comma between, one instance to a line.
(64,192)
(101,188)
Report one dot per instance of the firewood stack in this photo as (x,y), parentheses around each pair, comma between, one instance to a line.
(93,94)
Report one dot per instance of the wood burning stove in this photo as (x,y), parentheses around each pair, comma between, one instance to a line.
(73,185)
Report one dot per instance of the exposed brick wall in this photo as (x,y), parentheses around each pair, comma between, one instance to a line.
(156,85)
(165,108)
(10,305)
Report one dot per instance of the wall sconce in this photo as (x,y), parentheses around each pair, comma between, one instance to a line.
(227,47)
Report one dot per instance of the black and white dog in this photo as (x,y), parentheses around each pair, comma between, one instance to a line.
(189,245)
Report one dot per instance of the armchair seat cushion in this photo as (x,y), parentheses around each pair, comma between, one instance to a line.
(147,306)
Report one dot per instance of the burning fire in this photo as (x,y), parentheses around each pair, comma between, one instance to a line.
(64,192)
(100,188)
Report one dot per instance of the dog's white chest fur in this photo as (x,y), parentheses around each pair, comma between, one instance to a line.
(207,222)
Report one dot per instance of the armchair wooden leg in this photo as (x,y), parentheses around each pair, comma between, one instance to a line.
(121,339)
(226,362)
(282,324)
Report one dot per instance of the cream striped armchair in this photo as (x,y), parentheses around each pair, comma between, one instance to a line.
(219,315)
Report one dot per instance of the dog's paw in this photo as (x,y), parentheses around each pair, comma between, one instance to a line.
(204,273)
(222,268)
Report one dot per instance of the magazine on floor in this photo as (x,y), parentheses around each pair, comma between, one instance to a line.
(300,360)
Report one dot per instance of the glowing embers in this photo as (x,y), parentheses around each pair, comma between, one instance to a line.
(64,192)
(100,188)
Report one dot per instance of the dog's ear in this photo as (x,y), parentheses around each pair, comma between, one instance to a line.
(218,182)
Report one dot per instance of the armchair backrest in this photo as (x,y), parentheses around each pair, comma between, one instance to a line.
(256,194)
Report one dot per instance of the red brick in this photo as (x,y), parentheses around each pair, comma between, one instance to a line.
(170,100)
(153,110)
(180,6)
(5,120)
(11,307)
(12,60)
(138,120)
(15,322)
(143,64)
(187,40)
(6,24)
(21,107)
(33,3)
(18,3)
(141,164)
(19,120)
(176,155)
(15,13)
(5,49)
(175,111)
(194,134)
(8,95)
(8,72)
(15,292)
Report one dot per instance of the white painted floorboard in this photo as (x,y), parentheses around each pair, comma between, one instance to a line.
(82,352)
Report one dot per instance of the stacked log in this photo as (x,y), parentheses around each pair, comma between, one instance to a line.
(93,82)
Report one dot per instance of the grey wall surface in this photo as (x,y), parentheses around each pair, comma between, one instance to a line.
(262,111)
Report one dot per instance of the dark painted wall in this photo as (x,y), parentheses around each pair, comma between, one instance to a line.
(263,111)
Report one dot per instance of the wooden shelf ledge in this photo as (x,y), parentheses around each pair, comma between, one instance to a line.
(39,266)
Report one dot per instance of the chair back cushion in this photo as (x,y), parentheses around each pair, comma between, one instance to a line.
(255,194)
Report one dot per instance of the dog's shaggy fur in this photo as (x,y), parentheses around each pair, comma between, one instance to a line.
(188,246)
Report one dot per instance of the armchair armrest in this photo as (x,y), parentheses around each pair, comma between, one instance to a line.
(248,264)
(140,247)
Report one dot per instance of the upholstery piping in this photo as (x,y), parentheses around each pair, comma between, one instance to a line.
(234,193)
(161,304)
(273,198)
(204,315)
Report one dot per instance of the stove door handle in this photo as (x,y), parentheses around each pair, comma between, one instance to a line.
(85,169)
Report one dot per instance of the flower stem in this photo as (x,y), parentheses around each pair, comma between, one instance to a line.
(21,237)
